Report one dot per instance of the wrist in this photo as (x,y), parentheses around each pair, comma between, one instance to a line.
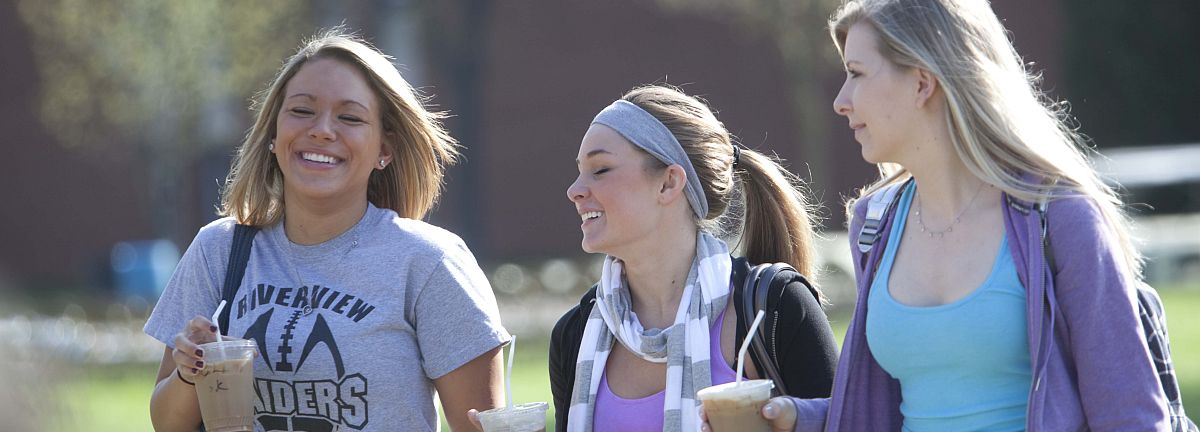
(179,375)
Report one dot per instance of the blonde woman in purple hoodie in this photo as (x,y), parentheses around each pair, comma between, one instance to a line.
(962,323)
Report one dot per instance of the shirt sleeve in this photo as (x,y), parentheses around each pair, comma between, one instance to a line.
(194,288)
(1118,385)
(810,414)
(457,318)
(809,356)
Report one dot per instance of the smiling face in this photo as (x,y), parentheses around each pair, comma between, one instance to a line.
(878,97)
(329,133)
(616,193)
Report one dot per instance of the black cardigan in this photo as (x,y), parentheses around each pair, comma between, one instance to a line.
(807,351)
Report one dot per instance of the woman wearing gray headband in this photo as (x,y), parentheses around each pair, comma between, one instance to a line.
(661,182)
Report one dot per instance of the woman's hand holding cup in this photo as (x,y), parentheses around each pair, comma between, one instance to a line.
(189,358)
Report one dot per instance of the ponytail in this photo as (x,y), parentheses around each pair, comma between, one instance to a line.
(777,216)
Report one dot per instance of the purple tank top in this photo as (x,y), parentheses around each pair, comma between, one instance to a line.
(614,413)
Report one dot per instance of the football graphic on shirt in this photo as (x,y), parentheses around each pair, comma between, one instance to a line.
(321,396)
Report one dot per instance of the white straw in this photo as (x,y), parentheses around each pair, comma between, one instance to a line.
(512,349)
(217,317)
(746,345)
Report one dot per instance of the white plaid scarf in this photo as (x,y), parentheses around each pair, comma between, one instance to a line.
(684,346)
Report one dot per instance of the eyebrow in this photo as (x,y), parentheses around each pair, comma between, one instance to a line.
(345,102)
(848,62)
(593,153)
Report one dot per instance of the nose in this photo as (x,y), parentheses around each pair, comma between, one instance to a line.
(322,128)
(841,104)
(576,191)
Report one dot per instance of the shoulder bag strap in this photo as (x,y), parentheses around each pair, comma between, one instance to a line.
(877,207)
(239,255)
(757,295)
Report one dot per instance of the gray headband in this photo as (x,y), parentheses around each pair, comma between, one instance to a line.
(645,131)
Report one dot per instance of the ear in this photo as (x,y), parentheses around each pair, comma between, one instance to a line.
(674,182)
(385,150)
(927,86)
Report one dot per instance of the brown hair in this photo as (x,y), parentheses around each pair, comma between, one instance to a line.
(253,192)
(765,200)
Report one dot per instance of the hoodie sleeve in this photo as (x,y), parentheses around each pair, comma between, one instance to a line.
(1118,385)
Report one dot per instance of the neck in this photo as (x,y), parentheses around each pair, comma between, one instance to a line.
(308,222)
(657,273)
(947,186)
(946,190)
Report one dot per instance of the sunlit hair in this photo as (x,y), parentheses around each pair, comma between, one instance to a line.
(762,198)
(1003,127)
(420,145)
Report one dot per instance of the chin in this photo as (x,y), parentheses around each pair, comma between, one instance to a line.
(871,157)
(590,246)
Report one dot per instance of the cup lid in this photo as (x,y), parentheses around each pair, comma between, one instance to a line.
(736,389)
(229,343)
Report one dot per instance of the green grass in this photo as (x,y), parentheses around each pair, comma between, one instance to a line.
(1183,322)
(107,398)
(116,397)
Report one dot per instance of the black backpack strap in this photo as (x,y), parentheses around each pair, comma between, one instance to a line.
(239,255)
(754,289)
(766,298)
(743,304)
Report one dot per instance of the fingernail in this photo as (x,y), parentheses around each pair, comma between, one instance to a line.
(212,329)
(199,364)
(199,353)
(769,411)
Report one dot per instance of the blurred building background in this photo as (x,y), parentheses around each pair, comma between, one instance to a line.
(121,116)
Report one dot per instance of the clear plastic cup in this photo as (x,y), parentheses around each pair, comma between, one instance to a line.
(527,417)
(225,386)
(737,406)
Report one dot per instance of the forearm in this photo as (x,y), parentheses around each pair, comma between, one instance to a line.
(476,385)
(173,406)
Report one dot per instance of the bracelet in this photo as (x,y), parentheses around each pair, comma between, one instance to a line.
(180,375)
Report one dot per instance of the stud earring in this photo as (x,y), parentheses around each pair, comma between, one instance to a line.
(382,164)
(271,146)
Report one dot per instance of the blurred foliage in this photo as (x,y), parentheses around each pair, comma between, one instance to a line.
(161,81)
(799,30)
(1133,74)
(144,69)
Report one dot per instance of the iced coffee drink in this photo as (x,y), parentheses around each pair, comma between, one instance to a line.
(225,386)
(528,417)
(737,406)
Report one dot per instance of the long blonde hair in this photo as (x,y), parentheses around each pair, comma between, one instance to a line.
(1004,129)
(410,185)
(773,213)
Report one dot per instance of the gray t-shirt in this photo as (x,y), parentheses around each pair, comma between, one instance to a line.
(395,302)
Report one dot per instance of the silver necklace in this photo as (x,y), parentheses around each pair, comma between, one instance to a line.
(310,291)
(957,219)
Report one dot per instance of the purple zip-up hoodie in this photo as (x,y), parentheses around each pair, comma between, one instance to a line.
(1091,367)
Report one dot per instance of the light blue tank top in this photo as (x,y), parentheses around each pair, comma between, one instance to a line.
(962,366)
